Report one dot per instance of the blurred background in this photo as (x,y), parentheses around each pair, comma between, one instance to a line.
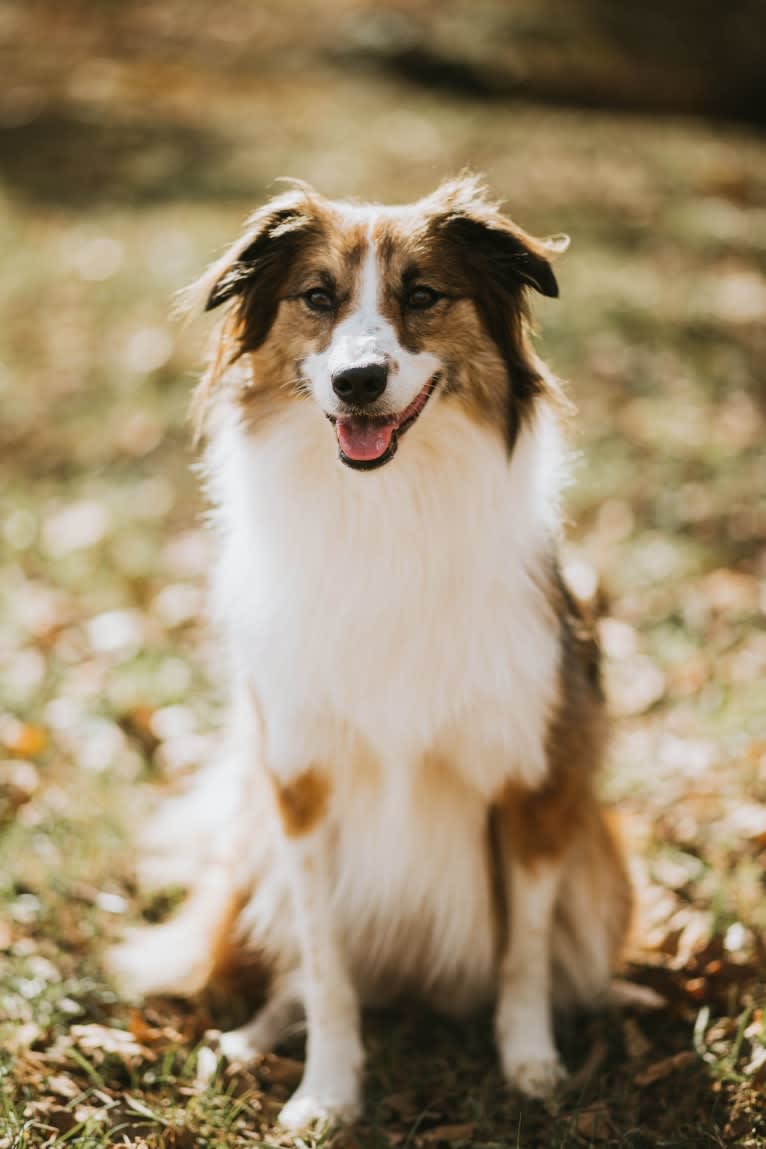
(134,138)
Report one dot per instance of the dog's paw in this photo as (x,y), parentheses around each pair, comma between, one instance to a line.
(536,1077)
(241,1045)
(305,1109)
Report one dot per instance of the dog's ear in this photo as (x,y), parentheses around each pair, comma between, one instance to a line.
(491,244)
(500,262)
(510,254)
(250,278)
(253,269)
(269,235)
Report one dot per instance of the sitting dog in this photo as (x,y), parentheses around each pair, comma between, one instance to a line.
(405,800)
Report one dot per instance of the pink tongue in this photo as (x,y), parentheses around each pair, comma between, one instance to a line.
(363,439)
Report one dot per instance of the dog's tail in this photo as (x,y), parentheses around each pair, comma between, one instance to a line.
(182,955)
(194,841)
(593,915)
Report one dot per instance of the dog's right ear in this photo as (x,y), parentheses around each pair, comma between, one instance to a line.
(250,279)
(254,267)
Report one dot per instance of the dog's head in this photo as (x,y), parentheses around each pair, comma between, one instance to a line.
(377,314)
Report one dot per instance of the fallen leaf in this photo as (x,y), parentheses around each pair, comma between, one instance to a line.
(147,1034)
(6,935)
(63,1086)
(593,1122)
(637,1044)
(634,996)
(696,988)
(18,782)
(51,1113)
(659,1070)
(403,1104)
(102,1040)
(21,738)
(449,1133)
(282,1070)
(597,1054)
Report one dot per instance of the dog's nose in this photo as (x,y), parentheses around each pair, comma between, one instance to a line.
(359,386)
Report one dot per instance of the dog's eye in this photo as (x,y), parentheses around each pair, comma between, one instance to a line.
(420,298)
(319,300)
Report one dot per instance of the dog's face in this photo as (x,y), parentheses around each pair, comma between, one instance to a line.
(378,313)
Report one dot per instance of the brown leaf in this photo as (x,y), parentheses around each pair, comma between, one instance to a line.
(50,1113)
(6,935)
(593,1122)
(597,1054)
(449,1133)
(137,724)
(637,1044)
(282,1070)
(659,1070)
(403,1105)
(18,783)
(696,988)
(22,739)
(141,1028)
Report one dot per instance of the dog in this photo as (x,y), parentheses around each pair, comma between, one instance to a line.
(405,799)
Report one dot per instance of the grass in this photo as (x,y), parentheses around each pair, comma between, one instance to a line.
(108,691)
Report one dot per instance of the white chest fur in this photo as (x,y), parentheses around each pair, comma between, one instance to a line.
(400,617)
(407,603)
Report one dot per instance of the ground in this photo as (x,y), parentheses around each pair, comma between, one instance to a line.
(116,196)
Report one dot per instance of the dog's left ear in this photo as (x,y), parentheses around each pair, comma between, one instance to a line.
(500,262)
(512,256)
(490,243)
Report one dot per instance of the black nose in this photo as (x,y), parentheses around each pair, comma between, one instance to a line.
(359,386)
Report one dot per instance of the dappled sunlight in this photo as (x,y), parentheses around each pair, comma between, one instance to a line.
(124,178)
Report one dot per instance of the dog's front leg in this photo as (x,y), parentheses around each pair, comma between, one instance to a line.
(331,1086)
(535,829)
(524,1022)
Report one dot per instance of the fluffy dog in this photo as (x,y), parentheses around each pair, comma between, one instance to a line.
(406,800)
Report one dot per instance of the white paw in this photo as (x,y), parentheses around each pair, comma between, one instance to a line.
(240,1044)
(307,1108)
(537,1077)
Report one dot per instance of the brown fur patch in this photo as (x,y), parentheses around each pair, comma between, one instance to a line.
(564,819)
(542,823)
(435,773)
(302,802)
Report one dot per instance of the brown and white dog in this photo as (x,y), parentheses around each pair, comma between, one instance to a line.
(406,800)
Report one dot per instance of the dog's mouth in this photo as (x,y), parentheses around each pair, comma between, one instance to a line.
(369,441)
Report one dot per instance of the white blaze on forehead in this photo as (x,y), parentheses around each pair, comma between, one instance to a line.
(365,336)
(368,311)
